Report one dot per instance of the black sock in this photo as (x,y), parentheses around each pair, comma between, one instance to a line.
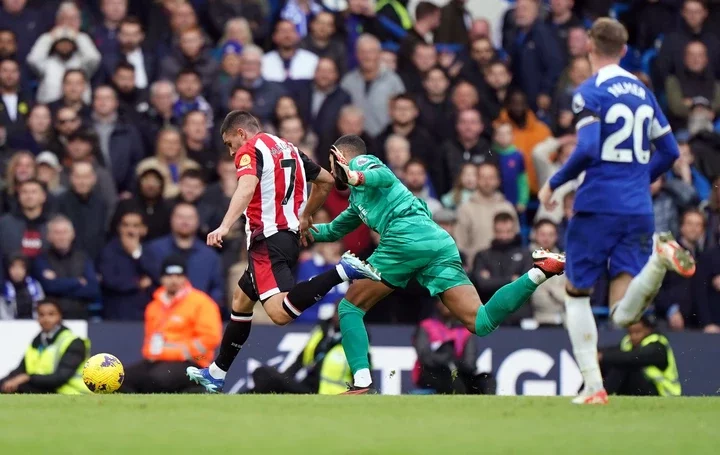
(236,334)
(305,294)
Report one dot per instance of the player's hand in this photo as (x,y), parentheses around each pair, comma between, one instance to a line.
(215,238)
(545,196)
(306,228)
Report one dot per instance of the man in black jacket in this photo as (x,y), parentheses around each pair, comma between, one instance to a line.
(52,332)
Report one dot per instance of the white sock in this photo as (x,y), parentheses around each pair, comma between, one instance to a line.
(536,276)
(641,290)
(341,272)
(583,337)
(362,378)
(216,372)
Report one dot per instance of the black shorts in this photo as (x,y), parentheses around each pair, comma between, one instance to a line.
(270,265)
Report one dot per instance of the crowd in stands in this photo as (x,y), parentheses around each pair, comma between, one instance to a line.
(112,162)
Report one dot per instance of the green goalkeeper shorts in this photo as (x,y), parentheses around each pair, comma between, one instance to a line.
(416,247)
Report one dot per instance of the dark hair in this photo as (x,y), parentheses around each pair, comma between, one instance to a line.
(239,119)
(73,71)
(82,135)
(415,162)
(436,68)
(50,302)
(280,21)
(239,88)
(124,65)
(693,211)
(193,174)
(351,143)
(189,113)
(425,9)
(503,217)
(186,72)
(403,97)
(544,222)
(131,20)
(32,181)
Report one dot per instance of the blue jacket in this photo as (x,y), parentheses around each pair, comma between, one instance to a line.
(123,300)
(203,265)
(537,61)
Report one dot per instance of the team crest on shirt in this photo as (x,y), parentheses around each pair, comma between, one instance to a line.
(362,161)
(245,160)
(578,103)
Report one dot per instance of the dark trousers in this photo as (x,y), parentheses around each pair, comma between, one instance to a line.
(442,381)
(270,380)
(159,377)
(630,381)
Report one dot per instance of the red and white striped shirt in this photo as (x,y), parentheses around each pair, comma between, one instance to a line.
(281,194)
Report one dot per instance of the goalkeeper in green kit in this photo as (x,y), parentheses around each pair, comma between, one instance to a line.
(411,246)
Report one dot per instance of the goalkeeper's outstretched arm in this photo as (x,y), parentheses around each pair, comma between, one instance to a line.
(338,228)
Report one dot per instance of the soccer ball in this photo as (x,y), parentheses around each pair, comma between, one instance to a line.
(103,373)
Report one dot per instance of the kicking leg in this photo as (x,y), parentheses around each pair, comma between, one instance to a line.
(363,295)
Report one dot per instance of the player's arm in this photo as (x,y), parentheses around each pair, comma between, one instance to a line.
(368,171)
(322,184)
(666,148)
(338,228)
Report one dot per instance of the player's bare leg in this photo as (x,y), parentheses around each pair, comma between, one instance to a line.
(640,291)
(360,297)
(583,333)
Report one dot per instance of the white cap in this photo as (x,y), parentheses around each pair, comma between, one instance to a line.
(49,159)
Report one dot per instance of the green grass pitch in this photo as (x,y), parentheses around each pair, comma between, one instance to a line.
(208,425)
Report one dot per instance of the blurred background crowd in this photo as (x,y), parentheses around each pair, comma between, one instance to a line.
(111,161)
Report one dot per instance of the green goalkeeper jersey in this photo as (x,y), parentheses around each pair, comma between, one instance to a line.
(377,202)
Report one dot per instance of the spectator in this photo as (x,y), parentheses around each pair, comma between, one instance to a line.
(672,55)
(66,272)
(8,44)
(236,33)
(536,55)
(322,42)
(427,20)
(643,364)
(548,156)
(321,258)
(20,169)
(82,148)
(512,168)
(23,21)
(160,115)
(230,65)
(284,108)
(465,186)
(403,116)
(223,12)
(21,292)
(197,143)
(528,131)
(149,201)
(548,303)
(120,142)
(707,287)
(675,301)
(669,199)
(191,53)
(497,79)
(241,99)
(84,205)
(388,58)
(24,230)
(61,49)
(203,263)
(561,19)
(14,104)
(293,130)
(189,340)
(48,171)
(447,219)
(38,134)
(359,18)
(469,146)
(128,270)
(423,59)
(455,20)
(434,105)
(713,216)
(704,141)
(287,61)
(446,357)
(106,32)
(319,102)
(504,261)
(370,86)
(684,169)
(67,122)
(578,40)
(694,79)
(465,96)
(351,120)
(482,55)
(416,180)
(475,217)
(75,94)
(190,97)
(397,153)
(54,360)
(170,160)
(562,114)
(192,191)
(131,47)
(265,93)
(133,101)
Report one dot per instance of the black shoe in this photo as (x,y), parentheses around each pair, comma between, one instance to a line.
(369,390)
